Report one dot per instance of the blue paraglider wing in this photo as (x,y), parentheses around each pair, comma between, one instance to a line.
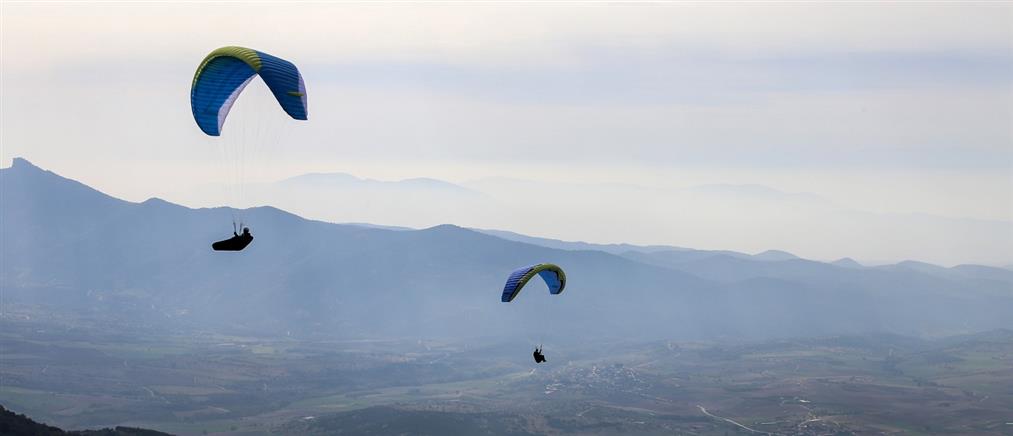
(224,73)
(553,276)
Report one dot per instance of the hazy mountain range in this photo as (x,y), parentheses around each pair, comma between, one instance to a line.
(751,218)
(71,251)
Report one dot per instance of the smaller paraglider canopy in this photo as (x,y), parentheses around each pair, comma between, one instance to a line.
(552,274)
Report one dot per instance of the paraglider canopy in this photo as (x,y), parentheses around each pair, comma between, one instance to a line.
(552,274)
(224,73)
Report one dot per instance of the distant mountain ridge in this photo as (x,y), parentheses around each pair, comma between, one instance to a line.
(567,245)
(345,180)
(17,424)
(848,262)
(75,251)
(696,216)
(627,248)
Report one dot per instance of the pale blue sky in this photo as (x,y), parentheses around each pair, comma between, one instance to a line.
(894,109)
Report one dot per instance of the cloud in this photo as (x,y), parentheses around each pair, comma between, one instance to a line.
(496,34)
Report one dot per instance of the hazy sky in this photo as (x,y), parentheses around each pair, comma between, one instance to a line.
(894,110)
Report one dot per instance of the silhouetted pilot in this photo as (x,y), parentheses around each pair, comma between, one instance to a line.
(539,357)
(236,243)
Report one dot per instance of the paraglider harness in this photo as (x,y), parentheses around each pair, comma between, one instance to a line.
(236,243)
(539,357)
